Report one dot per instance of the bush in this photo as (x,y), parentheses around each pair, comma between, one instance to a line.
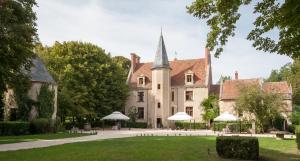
(40,126)
(14,128)
(141,125)
(237,147)
(234,127)
(187,125)
(297,131)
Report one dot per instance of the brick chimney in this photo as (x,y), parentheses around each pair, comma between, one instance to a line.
(135,59)
(236,75)
(207,56)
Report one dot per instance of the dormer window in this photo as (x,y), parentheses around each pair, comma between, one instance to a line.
(189,77)
(141,81)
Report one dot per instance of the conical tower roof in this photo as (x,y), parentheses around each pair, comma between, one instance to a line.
(161,57)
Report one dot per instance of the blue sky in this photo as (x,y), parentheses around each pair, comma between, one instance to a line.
(125,26)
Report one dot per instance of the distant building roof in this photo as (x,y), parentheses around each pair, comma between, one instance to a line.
(231,88)
(278,87)
(39,73)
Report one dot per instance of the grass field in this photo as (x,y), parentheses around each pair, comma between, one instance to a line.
(149,149)
(24,138)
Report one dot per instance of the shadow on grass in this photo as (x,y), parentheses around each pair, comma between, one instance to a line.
(273,155)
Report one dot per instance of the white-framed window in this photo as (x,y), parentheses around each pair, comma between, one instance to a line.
(140,112)
(189,95)
(189,77)
(189,110)
(173,96)
(141,81)
(140,96)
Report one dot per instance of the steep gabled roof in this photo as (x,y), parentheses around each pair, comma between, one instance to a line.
(39,73)
(178,70)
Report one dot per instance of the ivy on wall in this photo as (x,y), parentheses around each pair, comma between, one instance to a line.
(45,102)
(20,87)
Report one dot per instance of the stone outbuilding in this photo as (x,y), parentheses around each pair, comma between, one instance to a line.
(39,76)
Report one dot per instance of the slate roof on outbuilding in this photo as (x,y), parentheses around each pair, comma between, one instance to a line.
(39,73)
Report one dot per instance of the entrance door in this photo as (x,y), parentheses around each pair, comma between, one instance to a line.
(158,123)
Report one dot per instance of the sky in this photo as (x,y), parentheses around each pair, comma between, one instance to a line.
(122,27)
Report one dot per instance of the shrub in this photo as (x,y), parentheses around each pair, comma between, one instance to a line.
(237,147)
(141,125)
(187,125)
(40,126)
(234,127)
(14,128)
(297,131)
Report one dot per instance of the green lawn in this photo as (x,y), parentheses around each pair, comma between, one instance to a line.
(149,149)
(24,138)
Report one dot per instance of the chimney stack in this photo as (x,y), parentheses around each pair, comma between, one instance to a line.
(135,59)
(236,75)
(207,56)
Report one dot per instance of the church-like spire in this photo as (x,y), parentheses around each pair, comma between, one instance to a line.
(161,57)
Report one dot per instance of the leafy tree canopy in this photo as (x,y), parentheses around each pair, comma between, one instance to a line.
(262,105)
(89,80)
(223,78)
(123,63)
(271,16)
(17,39)
(211,108)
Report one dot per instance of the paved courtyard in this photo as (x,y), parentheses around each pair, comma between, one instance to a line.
(109,134)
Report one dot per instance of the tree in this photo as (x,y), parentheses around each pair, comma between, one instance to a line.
(272,16)
(45,102)
(133,114)
(262,105)
(123,63)
(89,80)
(17,39)
(211,108)
(223,78)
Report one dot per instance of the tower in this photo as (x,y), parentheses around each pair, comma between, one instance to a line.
(161,85)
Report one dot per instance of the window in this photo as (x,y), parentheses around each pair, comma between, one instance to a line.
(189,78)
(141,113)
(173,96)
(158,105)
(172,111)
(189,111)
(189,95)
(140,96)
(141,81)
(158,86)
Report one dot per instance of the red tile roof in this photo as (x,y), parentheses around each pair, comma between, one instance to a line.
(178,70)
(278,87)
(231,88)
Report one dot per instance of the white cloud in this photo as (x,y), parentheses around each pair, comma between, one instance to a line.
(122,27)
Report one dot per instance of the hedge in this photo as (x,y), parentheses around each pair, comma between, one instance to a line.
(238,147)
(14,128)
(187,125)
(297,131)
(234,127)
(141,125)
(40,126)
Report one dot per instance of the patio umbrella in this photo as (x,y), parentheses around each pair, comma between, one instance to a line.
(116,116)
(226,116)
(180,116)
